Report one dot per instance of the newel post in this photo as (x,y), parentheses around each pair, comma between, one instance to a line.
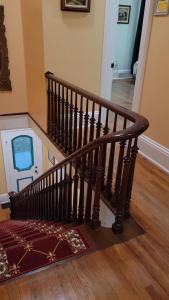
(134,152)
(11,194)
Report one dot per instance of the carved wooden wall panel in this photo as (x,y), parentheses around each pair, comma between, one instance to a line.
(5,83)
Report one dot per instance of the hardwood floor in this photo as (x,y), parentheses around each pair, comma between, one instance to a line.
(137,269)
(123,92)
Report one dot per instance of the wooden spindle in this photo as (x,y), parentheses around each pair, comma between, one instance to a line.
(59,114)
(95,223)
(69,195)
(98,132)
(89,188)
(118,225)
(80,123)
(65,194)
(40,200)
(63,118)
(105,132)
(86,123)
(118,175)
(66,122)
(60,186)
(55,113)
(56,195)
(81,193)
(52,111)
(50,207)
(109,182)
(75,191)
(52,195)
(48,115)
(70,123)
(75,125)
(92,123)
(134,151)
(43,199)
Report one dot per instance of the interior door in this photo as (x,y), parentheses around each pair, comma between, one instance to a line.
(22,151)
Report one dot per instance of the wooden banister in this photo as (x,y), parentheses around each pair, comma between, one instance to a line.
(100,141)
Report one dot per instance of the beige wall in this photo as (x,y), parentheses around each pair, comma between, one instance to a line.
(15,101)
(155,96)
(34,59)
(73,43)
(3,186)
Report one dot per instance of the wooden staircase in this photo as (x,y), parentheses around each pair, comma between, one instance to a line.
(99,141)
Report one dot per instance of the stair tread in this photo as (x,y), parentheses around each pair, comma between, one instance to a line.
(19,236)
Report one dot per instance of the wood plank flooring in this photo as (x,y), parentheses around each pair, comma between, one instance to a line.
(137,269)
(123,92)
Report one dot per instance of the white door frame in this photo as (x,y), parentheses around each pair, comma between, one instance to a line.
(144,45)
(111,12)
(108,49)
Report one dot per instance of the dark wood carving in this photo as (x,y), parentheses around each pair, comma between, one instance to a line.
(5,83)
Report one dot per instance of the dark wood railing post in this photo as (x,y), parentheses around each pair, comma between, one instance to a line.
(105,132)
(89,188)
(109,182)
(118,225)
(11,198)
(81,192)
(75,191)
(134,151)
(95,223)
(118,174)
(69,195)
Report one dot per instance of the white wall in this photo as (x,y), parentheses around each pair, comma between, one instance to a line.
(126,36)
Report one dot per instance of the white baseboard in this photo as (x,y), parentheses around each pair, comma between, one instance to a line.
(125,71)
(154,152)
(122,74)
(4,198)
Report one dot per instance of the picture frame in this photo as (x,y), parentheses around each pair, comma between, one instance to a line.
(161,7)
(124,14)
(76,5)
(5,83)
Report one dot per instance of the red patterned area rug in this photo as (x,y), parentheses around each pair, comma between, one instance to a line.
(29,245)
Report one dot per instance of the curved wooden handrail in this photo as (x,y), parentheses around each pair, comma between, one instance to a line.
(92,148)
(140,122)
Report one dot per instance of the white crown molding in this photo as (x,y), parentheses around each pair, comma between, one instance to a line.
(154,152)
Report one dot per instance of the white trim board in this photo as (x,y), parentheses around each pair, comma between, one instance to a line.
(4,198)
(143,53)
(156,153)
(13,122)
(125,71)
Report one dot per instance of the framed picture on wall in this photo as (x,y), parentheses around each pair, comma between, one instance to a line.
(76,5)
(161,7)
(124,14)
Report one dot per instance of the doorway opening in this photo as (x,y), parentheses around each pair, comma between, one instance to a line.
(126,40)
(126,51)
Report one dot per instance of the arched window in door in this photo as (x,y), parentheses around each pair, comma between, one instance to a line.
(22,149)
